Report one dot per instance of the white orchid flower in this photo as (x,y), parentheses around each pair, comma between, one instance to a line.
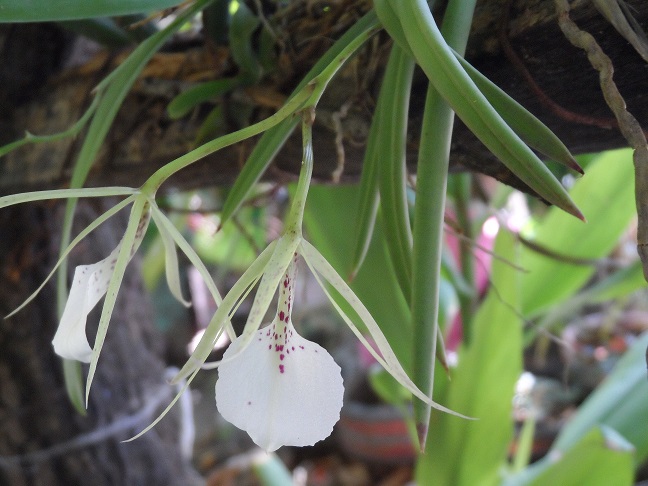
(251,393)
(282,389)
(92,282)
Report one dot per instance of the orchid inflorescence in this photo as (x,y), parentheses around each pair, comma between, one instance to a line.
(279,387)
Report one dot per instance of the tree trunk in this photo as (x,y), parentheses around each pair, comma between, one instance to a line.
(43,440)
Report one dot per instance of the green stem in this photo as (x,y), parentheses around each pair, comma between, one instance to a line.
(296,213)
(434,153)
(163,173)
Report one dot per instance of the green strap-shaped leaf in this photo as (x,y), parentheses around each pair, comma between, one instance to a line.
(446,74)
(48,10)
(368,198)
(271,141)
(535,133)
(392,180)
(431,183)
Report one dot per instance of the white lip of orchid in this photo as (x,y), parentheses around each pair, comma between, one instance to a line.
(281,388)
(90,284)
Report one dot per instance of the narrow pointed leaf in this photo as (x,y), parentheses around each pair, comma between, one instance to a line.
(368,197)
(535,133)
(194,96)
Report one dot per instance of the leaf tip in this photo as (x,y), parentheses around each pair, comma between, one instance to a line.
(572,164)
(422,432)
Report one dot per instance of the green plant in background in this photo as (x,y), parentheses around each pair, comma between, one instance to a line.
(391,254)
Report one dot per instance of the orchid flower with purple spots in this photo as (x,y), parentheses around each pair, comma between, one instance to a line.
(92,282)
(282,389)
(283,398)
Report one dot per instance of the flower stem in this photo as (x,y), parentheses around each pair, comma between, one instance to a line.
(296,213)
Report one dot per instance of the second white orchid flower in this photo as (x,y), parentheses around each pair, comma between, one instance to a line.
(92,282)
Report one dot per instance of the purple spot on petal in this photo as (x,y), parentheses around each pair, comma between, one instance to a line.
(281,357)
(281,368)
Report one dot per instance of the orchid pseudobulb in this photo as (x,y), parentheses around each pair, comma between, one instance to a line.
(282,389)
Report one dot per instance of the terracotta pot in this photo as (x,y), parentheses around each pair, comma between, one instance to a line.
(375,433)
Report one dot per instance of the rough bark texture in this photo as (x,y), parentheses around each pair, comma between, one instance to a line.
(144,138)
(40,433)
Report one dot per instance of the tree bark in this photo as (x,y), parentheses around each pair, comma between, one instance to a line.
(43,440)
(143,137)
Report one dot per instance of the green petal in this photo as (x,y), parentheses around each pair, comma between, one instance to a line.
(64,194)
(170,257)
(132,237)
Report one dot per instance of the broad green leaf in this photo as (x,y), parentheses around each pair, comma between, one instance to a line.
(48,10)
(600,458)
(619,402)
(617,285)
(472,453)
(606,201)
